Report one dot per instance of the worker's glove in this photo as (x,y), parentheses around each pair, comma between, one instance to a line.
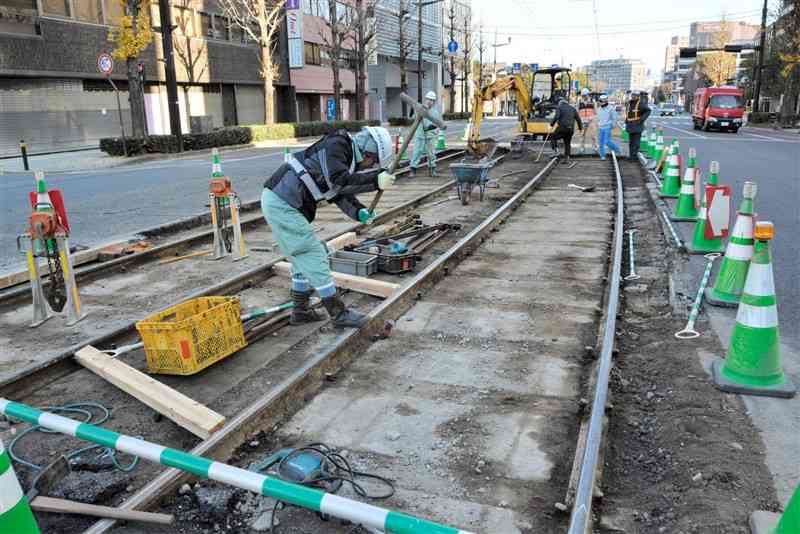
(385,180)
(365,216)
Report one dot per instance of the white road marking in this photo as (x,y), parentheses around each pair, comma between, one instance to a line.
(684,131)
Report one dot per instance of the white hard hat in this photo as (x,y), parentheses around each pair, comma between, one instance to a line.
(603,97)
(383,140)
(430,95)
(585,91)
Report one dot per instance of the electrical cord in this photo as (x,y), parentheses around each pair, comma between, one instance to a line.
(336,471)
(80,408)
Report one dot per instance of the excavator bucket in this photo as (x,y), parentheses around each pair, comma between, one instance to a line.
(483,148)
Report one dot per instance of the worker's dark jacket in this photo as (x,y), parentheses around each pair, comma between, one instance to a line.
(323,171)
(566,117)
(636,113)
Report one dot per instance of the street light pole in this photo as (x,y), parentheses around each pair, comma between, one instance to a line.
(760,68)
(420,5)
(496,45)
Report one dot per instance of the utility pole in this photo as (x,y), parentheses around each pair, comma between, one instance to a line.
(465,74)
(451,16)
(169,72)
(403,15)
(760,68)
(496,45)
(419,51)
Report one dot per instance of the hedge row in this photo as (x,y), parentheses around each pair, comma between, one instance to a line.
(400,121)
(759,117)
(462,116)
(233,135)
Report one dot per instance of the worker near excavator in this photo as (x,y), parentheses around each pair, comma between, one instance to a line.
(334,169)
(606,118)
(588,112)
(425,137)
(636,113)
(566,117)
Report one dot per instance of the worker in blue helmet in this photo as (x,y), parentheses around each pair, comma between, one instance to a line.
(334,169)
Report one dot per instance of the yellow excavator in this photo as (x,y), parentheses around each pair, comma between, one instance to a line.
(535,113)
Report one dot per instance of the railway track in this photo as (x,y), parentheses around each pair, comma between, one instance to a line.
(473,406)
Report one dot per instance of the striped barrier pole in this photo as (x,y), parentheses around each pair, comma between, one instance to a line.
(319,501)
(15,512)
(689,332)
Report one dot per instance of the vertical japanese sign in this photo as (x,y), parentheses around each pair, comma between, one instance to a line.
(294,28)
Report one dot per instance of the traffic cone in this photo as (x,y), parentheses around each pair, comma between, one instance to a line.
(465,137)
(752,365)
(626,137)
(644,145)
(15,512)
(440,142)
(671,182)
(659,145)
(699,244)
(684,209)
(403,156)
(652,143)
(771,523)
(286,154)
(216,166)
(733,271)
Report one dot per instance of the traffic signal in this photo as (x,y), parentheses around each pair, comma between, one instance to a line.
(734,48)
(688,52)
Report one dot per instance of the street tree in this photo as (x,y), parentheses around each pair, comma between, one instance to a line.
(132,37)
(789,56)
(337,33)
(719,67)
(403,50)
(260,21)
(190,47)
(366,43)
(465,63)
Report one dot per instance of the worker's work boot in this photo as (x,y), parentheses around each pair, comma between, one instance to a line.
(302,312)
(341,316)
(432,172)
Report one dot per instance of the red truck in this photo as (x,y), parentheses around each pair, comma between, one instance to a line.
(718,107)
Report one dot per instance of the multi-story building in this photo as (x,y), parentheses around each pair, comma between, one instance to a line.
(398,23)
(672,51)
(702,34)
(617,75)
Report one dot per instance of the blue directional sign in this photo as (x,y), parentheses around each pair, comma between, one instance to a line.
(452,46)
(517,68)
(331,110)
(534,67)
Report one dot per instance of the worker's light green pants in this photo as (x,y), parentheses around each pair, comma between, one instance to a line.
(297,242)
(423,146)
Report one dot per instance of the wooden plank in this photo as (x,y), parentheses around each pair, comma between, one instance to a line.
(376,288)
(350,238)
(190,414)
(63,506)
(20,277)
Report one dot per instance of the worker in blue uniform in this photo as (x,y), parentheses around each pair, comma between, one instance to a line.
(425,137)
(334,169)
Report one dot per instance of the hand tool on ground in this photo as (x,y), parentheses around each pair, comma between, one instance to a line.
(632,275)
(587,189)
(420,112)
(677,239)
(544,143)
(689,332)
(512,173)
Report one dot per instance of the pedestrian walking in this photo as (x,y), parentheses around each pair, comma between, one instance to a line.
(325,171)
(425,137)
(606,119)
(566,117)
(636,113)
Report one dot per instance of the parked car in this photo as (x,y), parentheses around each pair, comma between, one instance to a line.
(669,110)
(718,107)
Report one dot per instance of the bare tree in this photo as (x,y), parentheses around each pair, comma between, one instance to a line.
(404,49)
(336,33)
(260,20)
(465,65)
(190,47)
(364,23)
(451,15)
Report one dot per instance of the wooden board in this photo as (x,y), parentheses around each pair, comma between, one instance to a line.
(350,238)
(63,506)
(190,414)
(376,288)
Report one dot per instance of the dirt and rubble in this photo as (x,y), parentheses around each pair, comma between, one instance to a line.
(682,457)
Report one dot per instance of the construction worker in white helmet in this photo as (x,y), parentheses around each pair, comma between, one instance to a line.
(425,137)
(325,171)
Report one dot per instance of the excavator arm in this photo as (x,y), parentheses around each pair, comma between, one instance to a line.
(476,145)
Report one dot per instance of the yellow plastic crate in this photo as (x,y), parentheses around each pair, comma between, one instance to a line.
(187,338)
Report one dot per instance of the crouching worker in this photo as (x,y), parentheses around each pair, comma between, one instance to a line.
(327,170)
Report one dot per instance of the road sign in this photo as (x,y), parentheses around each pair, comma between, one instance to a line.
(105,64)
(718,200)
(331,110)
(452,47)
(517,68)
(534,67)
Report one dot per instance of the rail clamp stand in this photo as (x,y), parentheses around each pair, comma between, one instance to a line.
(359,513)
(224,202)
(15,512)
(671,184)
(752,365)
(685,209)
(733,271)
(440,141)
(700,244)
(771,523)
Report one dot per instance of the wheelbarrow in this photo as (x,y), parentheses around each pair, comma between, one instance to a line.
(470,175)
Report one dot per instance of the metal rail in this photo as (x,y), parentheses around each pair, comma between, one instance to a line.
(292,393)
(582,509)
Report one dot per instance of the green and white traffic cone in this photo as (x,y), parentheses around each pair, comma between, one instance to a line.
(659,145)
(404,155)
(653,143)
(762,522)
(216,166)
(671,181)
(699,244)
(644,145)
(685,209)
(733,272)
(286,154)
(752,365)
(440,142)
(15,513)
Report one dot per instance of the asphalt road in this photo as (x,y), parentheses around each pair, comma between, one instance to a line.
(771,159)
(105,205)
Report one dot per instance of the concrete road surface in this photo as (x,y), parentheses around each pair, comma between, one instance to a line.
(105,205)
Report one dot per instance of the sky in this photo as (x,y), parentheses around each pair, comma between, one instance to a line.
(563,32)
